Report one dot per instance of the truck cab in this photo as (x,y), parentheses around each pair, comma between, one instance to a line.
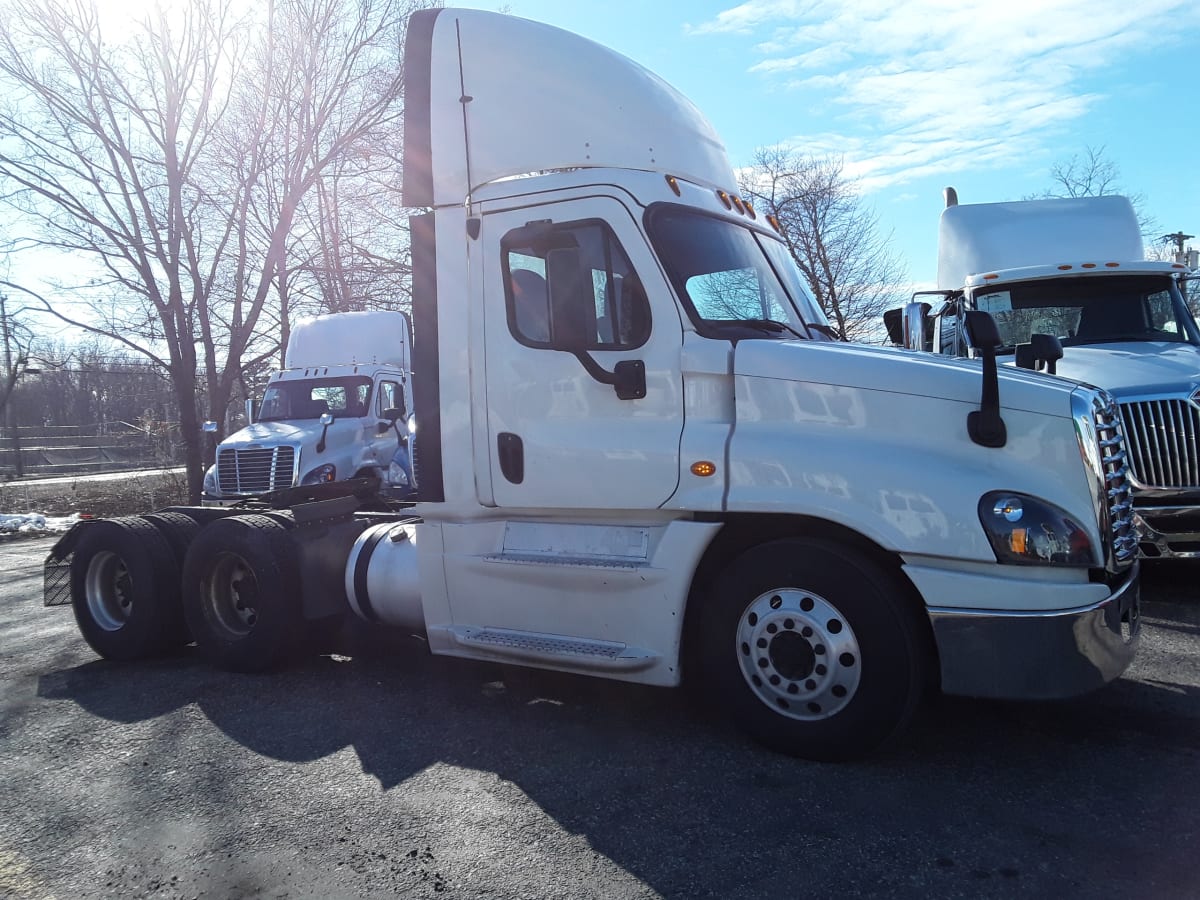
(338,409)
(1074,270)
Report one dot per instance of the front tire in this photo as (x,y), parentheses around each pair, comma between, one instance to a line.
(813,648)
(241,593)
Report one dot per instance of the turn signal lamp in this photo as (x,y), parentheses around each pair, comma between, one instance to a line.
(703,468)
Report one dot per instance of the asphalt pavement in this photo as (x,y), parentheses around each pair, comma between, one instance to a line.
(386,772)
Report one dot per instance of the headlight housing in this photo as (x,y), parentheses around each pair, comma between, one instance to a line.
(1024,530)
(211,486)
(321,474)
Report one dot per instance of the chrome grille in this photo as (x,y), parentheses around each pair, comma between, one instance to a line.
(255,470)
(1117,489)
(1161,437)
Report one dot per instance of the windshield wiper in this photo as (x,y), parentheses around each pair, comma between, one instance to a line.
(770,326)
(826,330)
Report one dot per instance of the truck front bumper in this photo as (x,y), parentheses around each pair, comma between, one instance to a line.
(1038,655)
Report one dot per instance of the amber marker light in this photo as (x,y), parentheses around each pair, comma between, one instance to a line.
(1063,268)
(724,198)
(750,209)
(1088,266)
(990,277)
(1112,265)
(737,204)
(673,184)
(704,468)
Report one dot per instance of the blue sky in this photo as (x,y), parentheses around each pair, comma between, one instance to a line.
(914,96)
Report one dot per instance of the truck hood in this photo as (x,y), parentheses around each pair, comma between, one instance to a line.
(899,371)
(272,433)
(1134,368)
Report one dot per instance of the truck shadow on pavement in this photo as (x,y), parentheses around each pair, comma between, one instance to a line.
(664,789)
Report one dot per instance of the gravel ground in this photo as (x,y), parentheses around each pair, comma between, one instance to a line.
(385,772)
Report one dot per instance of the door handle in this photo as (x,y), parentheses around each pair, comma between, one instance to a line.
(511,452)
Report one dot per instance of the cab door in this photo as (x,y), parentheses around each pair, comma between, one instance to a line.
(558,435)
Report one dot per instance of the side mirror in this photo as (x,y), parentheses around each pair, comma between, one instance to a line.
(209,427)
(568,307)
(982,332)
(325,419)
(573,323)
(1047,348)
(915,326)
(893,323)
(984,425)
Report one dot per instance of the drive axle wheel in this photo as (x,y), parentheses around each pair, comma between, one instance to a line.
(241,593)
(125,589)
(814,648)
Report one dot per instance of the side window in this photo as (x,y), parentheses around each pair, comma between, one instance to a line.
(617,313)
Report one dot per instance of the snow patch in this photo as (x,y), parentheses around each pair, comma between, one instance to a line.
(35,523)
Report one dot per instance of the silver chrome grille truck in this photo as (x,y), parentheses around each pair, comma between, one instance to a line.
(641,457)
(1074,269)
(324,416)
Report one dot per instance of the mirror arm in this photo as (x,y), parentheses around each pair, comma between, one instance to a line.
(628,378)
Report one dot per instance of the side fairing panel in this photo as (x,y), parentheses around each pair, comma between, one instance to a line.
(490,96)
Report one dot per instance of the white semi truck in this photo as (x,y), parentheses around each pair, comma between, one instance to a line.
(641,457)
(1075,270)
(338,409)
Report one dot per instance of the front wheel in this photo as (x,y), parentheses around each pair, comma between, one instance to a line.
(813,648)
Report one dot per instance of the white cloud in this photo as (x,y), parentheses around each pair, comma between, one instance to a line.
(940,85)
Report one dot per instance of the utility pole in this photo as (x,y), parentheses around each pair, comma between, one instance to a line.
(1178,239)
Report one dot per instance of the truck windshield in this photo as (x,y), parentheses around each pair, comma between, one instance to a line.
(309,398)
(1090,310)
(735,282)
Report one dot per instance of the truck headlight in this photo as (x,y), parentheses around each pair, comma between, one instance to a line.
(211,485)
(1027,531)
(320,475)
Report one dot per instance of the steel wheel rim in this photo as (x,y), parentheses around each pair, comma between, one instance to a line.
(108,588)
(798,654)
(229,594)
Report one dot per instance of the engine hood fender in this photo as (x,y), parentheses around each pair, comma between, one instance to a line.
(898,371)
(1134,368)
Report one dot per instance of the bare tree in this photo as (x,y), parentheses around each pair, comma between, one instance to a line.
(179,160)
(833,237)
(1094,174)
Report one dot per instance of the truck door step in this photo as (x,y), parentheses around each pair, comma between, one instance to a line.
(557,650)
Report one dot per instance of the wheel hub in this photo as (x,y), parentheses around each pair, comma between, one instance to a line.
(229,595)
(108,588)
(798,654)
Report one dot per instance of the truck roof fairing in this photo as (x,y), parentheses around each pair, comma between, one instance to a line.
(490,96)
(989,237)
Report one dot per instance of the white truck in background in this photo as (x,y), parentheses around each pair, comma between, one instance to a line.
(338,409)
(1075,270)
(641,457)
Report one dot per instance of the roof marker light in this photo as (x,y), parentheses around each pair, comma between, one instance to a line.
(737,204)
(673,184)
(750,209)
(1088,266)
(1064,268)
(724,198)
(990,277)
(1113,265)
